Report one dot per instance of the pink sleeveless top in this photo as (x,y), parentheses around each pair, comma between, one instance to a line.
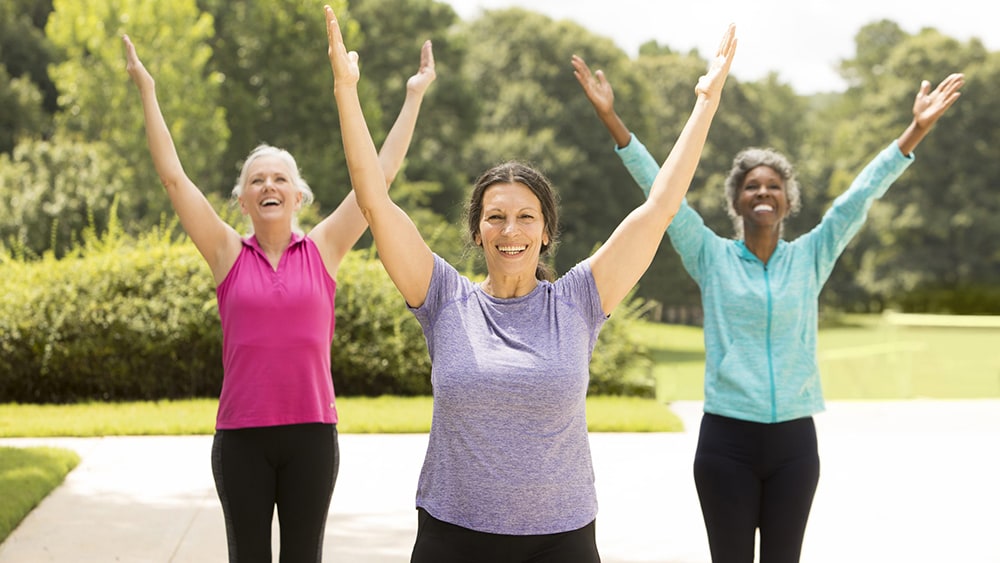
(277,328)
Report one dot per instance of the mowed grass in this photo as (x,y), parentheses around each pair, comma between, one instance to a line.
(27,475)
(860,357)
(358,415)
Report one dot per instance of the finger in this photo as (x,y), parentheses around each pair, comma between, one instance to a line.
(427,55)
(333,33)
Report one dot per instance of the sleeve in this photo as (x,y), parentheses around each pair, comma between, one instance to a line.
(578,287)
(849,210)
(639,163)
(446,283)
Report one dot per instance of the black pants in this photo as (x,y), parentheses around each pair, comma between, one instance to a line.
(441,542)
(756,476)
(292,467)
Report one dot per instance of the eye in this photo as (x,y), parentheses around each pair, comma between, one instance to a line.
(526,217)
(495,217)
(255,181)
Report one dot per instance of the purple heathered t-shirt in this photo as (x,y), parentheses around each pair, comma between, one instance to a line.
(508,450)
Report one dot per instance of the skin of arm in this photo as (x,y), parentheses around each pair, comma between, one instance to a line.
(404,254)
(927,108)
(217,242)
(339,232)
(622,260)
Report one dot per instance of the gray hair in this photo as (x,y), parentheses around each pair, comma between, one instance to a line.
(284,156)
(745,161)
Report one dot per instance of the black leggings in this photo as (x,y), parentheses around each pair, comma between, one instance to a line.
(751,475)
(441,542)
(294,467)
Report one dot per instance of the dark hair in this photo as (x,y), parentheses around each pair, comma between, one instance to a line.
(745,161)
(515,172)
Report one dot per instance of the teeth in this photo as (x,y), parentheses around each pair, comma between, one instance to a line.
(763,207)
(511,249)
(270,201)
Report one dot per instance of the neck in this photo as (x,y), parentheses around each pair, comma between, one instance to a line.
(761,242)
(508,287)
(273,240)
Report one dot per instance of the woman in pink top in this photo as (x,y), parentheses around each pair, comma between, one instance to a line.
(276,435)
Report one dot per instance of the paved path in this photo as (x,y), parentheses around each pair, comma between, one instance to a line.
(909,481)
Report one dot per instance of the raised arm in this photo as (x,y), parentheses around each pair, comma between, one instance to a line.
(339,232)
(217,242)
(927,108)
(403,252)
(622,260)
(602,97)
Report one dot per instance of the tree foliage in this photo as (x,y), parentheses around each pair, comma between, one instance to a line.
(98,102)
(231,74)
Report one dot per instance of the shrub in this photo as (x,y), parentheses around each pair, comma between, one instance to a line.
(120,318)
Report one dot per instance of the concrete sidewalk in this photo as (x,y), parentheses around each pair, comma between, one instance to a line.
(907,481)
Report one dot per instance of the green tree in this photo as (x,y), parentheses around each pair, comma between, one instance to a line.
(98,102)
(934,228)
(53,190)
(392,33)
(278,89)
(532,110)
(24,49)
(26,93)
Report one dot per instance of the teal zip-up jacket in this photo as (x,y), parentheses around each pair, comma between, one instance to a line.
(761,319)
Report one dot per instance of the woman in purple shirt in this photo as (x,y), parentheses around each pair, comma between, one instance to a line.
(508,476)
(276,434)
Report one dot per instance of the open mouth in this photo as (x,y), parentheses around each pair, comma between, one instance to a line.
(763,208)
(512,250)
(270,202)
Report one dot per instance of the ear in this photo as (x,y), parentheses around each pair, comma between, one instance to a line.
(477,239)
(243,207)
(298,201)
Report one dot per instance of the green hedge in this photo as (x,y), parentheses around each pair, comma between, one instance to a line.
(122,319)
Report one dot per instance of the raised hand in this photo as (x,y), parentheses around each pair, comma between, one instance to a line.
(711,83)
(595,86)
(930,105)
(134,67)
(419,82)
(344,63)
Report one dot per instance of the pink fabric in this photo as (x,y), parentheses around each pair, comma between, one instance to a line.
(277,328)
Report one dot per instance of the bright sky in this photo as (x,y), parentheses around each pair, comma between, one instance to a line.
(801,40)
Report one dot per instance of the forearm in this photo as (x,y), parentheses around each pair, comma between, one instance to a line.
(614,124)
(161,145)
(911,137)
(367,177)
(397,142)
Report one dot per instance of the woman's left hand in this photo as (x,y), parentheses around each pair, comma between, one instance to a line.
(930,105)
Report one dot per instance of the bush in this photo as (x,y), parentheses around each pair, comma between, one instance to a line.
(123,319)
(117,319)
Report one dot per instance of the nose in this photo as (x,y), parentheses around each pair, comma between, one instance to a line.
(508,227)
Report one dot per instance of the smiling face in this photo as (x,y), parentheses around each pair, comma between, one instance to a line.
(511,230)
(269,193)
(762,201)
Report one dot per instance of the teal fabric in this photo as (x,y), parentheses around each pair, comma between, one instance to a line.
(761,319)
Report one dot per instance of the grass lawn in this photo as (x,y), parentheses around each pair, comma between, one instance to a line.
(359,415)
(27,475)
(860,357)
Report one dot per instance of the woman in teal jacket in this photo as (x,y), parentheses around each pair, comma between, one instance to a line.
(757,465)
